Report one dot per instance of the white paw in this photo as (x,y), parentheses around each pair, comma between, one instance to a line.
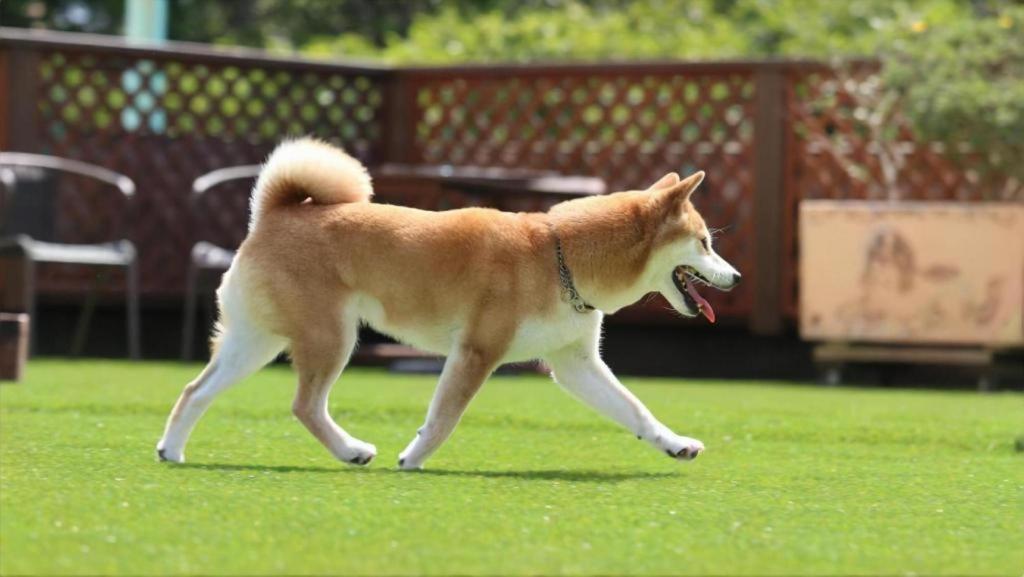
(164,453)
(682,448)
(408,463)
(357,452)
(413,457)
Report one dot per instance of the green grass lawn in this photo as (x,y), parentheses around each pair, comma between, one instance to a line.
(795,480)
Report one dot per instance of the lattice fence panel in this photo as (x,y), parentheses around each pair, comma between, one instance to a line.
(628,129)
(165,120)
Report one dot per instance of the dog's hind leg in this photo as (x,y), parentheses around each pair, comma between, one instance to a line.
(464,372)
(243,350)
(580,371)
(319,357)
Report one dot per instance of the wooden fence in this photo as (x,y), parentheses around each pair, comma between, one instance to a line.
(165,115)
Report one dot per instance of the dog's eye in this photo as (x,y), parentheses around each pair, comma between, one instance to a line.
(706,243)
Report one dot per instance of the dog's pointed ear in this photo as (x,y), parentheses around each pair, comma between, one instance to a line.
(665,181)
(681,191)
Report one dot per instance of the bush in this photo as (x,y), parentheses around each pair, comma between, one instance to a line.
(643,29)
(962,83)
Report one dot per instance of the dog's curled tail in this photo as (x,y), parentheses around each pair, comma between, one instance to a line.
(308,168)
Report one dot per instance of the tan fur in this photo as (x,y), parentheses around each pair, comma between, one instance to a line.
(460,266)
(313,169)
(319,258)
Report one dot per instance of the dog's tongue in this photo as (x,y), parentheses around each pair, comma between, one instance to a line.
(705,306)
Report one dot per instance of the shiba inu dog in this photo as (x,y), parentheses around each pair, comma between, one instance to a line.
(482,287)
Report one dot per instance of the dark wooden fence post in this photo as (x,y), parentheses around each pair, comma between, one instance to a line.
(22,81)
(5,98)
(399,133)
(769,147)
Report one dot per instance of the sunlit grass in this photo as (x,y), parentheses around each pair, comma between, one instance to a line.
(795,480)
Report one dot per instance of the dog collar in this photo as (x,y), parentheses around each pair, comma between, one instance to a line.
(569,292)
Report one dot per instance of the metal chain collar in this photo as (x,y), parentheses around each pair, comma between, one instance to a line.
(569,292)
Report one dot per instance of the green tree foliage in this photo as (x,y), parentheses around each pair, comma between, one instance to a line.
(97,16)
(962,83)
(289,24)
(450,31)
(644,29)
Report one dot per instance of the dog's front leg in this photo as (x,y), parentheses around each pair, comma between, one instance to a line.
(464,372)
(584,374)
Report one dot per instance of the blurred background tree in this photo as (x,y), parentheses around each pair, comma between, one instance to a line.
(98,16)
(645,29)
(448,31)
(957,85)
(962,83)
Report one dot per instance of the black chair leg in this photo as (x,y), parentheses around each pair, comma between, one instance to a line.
(132,295)
(189,322)
(85,318)
(30,306)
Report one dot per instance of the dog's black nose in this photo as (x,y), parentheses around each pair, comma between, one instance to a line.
(736,278)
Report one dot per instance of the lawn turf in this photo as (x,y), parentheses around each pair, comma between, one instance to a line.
(796,480)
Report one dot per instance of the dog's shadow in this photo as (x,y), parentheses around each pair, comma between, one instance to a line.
(575,476)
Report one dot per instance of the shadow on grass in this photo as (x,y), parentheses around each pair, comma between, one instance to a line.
(258,468)
(578,476)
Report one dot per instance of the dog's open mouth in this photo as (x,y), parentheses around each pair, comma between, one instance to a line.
(685,278)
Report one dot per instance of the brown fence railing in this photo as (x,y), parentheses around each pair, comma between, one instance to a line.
(165,115)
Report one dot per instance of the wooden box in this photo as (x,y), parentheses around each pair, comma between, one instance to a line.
(13,345)
(912,272)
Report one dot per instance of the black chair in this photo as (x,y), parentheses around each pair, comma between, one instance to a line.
(219,201)
(30,232)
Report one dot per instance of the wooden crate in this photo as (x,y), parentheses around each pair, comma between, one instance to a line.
(13,345)
(921,273)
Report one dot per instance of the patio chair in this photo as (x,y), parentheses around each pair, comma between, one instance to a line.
(29,233)
(220,230)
